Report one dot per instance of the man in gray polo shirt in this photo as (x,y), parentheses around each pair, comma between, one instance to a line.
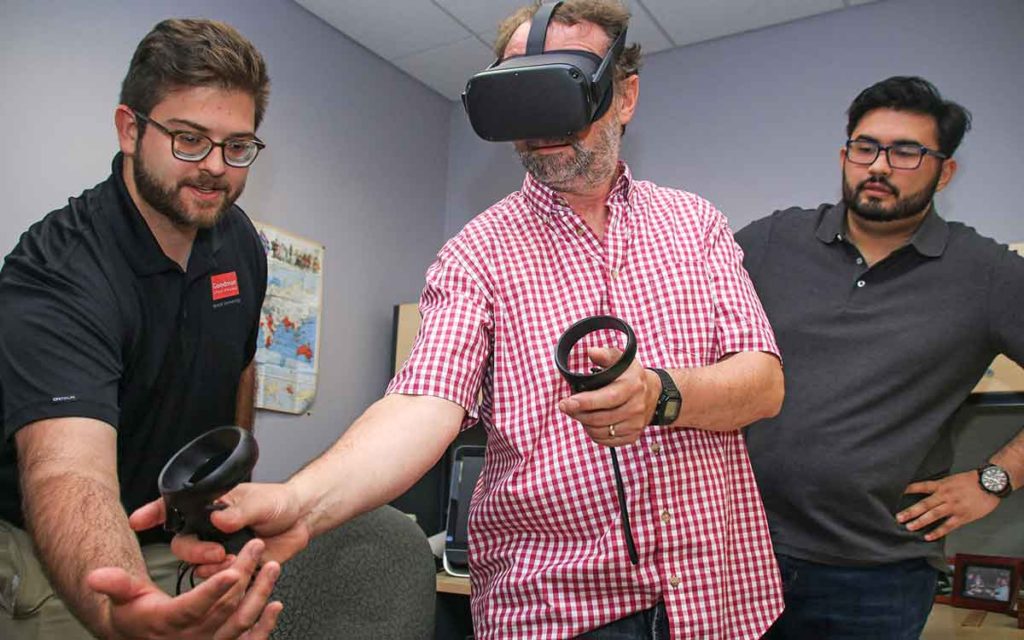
(887,316)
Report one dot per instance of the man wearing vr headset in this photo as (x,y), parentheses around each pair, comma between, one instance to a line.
(117,347)
(548,558)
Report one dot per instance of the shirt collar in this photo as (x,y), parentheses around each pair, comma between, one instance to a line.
(929,240)
(545,200)
(137,241)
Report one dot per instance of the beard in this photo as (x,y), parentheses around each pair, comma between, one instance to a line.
(171,202)
(903,208)
(582,168)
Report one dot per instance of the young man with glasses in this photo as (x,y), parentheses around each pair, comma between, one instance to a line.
(129,327)
(887,316)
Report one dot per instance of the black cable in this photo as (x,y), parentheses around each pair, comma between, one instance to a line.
(184,569)
(627,530)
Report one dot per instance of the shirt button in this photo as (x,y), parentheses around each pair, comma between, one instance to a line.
(839,236)
(860,260)
(615,274)
(666,516)
(655,448)
(580,231)
(860,283)
(674,581)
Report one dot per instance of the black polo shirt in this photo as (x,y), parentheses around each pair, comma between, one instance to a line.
(877,360)
(97,322)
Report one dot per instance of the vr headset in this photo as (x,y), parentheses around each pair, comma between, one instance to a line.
(542,94)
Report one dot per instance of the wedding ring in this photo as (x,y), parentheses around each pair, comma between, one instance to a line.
(611,431)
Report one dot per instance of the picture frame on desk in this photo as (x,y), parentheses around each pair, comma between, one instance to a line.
(944,585)
(991,583)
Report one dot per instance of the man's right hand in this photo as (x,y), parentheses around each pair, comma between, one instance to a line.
(222,607)
(270,510)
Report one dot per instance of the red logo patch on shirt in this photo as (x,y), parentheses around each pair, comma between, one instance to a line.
(224,285)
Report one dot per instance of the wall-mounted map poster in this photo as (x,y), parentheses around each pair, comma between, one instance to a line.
(289,341)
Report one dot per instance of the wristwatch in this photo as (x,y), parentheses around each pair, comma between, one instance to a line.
(994,479)
(670,401)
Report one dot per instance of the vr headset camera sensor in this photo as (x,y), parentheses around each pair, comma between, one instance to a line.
(542,94)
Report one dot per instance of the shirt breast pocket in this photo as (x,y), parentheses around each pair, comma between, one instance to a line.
(678,307)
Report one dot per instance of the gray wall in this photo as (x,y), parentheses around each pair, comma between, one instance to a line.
(352,161)
(754,123)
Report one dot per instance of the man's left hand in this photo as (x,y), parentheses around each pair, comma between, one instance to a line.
(615,415)
(957,498)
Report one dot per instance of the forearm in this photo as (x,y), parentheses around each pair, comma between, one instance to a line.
(78,525)
(396,441)
(734,392)
(1011,458)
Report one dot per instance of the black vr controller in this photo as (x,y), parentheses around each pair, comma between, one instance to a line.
(595,380)
(199,474)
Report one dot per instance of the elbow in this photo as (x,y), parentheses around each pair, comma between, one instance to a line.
(773,405)
(775,393)
(772,393)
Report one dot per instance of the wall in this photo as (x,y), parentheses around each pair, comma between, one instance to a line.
(352,161)
(754,123)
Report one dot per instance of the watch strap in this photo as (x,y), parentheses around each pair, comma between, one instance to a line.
(669,392)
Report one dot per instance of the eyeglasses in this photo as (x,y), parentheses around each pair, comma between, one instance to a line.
(193,147)
(900,156)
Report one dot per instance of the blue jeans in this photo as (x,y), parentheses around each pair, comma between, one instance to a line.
(649,624)
(826,602)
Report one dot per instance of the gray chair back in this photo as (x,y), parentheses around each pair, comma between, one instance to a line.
(373,577)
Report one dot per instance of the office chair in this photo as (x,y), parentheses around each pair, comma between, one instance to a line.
(373,577)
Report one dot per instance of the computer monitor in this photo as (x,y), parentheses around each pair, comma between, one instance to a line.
(467,462)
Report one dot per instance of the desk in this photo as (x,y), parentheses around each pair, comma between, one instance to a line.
(452,584)
(950,623)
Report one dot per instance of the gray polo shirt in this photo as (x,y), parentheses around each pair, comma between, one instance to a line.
(877,360)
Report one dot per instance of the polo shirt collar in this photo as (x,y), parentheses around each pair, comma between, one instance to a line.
(545,200)
(929,240)
(138,242)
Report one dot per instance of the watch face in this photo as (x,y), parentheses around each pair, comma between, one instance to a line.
(672,409)
(994,479)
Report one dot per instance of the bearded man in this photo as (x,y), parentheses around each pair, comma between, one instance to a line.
(887,316)
(129,326)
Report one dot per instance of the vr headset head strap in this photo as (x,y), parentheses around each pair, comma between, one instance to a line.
(539,27)
(604,75)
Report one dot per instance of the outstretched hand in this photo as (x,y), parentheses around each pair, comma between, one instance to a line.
(270,510)
(222,607)
(617,414)
(957,498)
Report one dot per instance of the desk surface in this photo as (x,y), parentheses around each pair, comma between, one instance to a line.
(452,584)
(944,623)
(950,623)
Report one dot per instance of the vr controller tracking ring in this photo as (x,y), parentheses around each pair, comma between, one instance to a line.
(588,382)
(601,378)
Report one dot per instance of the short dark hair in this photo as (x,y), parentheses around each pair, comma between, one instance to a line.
(916,95)
(610,15)
(184,53)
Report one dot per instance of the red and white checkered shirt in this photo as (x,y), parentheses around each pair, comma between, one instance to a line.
(547,554)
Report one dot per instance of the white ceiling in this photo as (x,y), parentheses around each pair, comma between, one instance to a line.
(442,43)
